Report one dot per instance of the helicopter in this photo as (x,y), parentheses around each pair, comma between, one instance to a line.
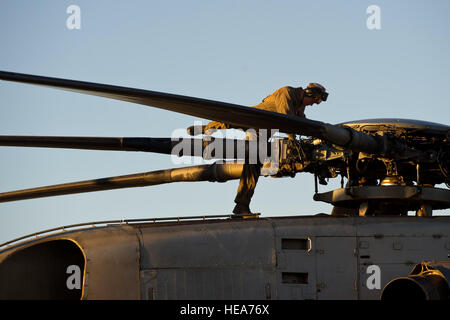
(364,249)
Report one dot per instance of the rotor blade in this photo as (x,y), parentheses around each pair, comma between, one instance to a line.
(233,114)
(158,145)
(223,148)
(213,173)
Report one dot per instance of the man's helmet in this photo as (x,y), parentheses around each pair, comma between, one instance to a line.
(316,91)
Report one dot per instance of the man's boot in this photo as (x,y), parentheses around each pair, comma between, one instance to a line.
(241,209)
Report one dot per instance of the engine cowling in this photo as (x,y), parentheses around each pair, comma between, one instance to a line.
(428,280)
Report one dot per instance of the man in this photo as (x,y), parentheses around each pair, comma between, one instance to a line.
(286,100)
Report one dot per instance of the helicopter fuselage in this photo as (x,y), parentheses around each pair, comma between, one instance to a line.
(304,257)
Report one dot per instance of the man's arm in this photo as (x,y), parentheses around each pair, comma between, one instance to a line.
(208,128)
(215,125)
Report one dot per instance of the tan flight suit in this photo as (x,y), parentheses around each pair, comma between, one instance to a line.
(286,100)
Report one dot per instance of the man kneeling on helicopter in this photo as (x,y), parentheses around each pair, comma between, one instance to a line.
(286,100)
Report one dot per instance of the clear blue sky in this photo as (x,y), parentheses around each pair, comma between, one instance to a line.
(232,51)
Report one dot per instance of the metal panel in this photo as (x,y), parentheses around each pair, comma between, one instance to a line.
(208,260)
(208,245)
(298,261)
(327,226)
(296,269)
(336,268)
(395,256)
(403,226)
(207,284)
(112,262)
(403,249)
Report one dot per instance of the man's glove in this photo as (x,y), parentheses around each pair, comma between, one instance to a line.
(209,129)
(195,130)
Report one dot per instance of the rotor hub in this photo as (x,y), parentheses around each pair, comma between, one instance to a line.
(387,199)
